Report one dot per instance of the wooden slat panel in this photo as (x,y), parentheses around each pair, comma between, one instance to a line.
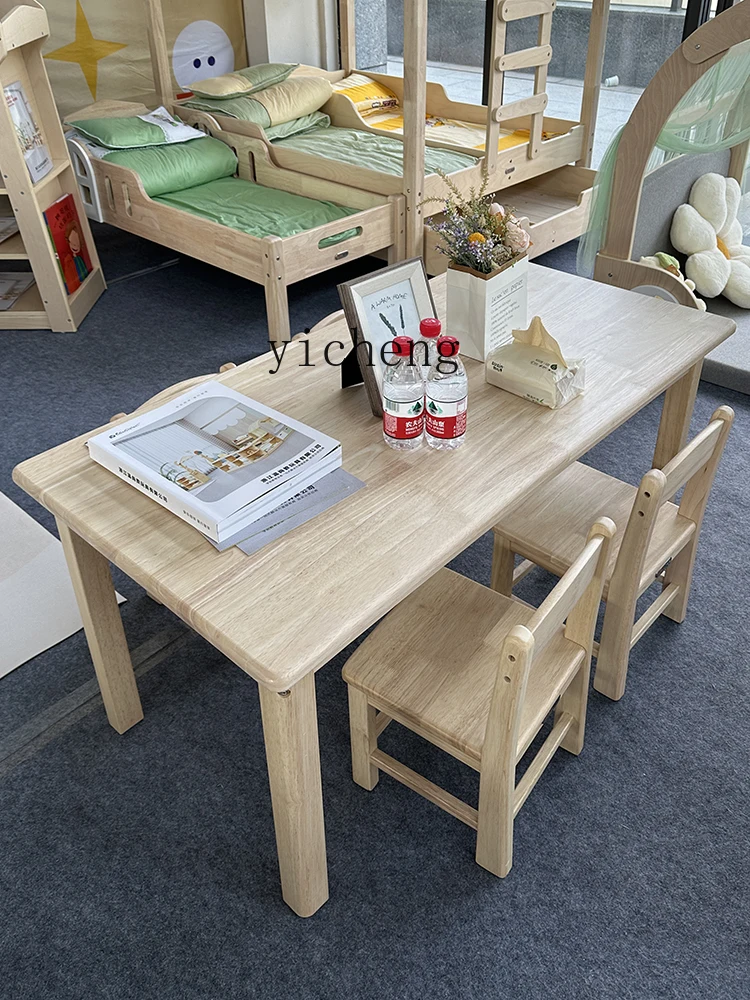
(540,86)
(514,10)
(536,768)
(592,79)
(691,459)
(494,95)
(415,102)
(428,789)
(653,611)
(539,55)
(516,109)
(553,611)
(347,35)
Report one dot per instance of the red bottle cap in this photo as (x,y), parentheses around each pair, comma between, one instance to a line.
(430,326)
(447,347)
(402,346)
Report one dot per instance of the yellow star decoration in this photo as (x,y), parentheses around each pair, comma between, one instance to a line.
(85,50)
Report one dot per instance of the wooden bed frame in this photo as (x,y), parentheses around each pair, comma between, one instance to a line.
(115,194)
(556,195)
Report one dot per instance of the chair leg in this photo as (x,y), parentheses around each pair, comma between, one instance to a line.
(503,560)
(574,700)
(495,824)
(680,571)
(364,739)
(614,651)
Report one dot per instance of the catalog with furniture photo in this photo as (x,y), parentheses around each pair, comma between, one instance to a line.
(216,458)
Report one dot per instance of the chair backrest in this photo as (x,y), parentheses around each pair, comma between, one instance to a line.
(573,601)
(694,468)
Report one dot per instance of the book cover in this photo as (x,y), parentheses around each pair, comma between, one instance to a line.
(65,231)
(30,138)
(216,458)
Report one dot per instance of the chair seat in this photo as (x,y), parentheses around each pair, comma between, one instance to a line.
(431,664)
(550,527)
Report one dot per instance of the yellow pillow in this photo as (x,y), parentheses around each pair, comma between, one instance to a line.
(368,96)
(301,95)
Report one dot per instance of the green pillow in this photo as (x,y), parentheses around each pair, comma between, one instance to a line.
(157,128)
(243,81)
(166,169)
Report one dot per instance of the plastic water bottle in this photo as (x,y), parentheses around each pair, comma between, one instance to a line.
(403,399)
(447,394)
(425,349)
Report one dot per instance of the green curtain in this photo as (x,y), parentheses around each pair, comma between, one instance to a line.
(713,115)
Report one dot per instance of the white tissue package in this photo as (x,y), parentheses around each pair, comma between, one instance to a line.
(532,366)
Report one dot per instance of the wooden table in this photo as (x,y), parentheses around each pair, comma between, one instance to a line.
(283,612)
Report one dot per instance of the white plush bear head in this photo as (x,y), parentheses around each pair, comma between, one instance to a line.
(708,231)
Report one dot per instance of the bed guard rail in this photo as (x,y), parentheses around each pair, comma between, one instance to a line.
(85,177)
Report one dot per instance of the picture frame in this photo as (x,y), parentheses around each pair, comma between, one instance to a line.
(380,306)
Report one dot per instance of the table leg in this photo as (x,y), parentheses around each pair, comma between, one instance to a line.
(676,412)
(290,728)
(92,584)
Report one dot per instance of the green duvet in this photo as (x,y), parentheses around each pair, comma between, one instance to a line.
(168,168)
(365,149)
(259,211)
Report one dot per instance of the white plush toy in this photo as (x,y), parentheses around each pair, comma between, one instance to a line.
(708,231)
(666,262)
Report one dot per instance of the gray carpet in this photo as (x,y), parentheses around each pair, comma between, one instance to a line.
(144,866)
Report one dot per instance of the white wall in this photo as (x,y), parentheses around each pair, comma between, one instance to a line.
(292,31)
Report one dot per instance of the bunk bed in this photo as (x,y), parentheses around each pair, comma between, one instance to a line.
(237,223)
(696,110)
(546,162)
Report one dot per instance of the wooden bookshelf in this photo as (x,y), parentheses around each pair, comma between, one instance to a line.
(46,305)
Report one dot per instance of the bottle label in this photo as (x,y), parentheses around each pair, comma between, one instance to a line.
(403,420)
(446,419)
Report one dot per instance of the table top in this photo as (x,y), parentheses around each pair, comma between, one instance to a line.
(290,607)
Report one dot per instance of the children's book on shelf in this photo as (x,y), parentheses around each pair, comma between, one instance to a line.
(65,231)
(29,135)
(12,286)
(216,458)
(8,227)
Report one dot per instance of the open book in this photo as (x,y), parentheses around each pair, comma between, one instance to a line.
(216,458)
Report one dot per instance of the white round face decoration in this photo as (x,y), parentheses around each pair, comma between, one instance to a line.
(201,50)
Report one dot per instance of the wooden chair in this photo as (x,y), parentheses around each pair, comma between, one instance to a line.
(548,529)
(477,673)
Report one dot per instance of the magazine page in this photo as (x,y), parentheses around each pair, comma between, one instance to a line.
(347,485)
(29,135)
(8,227)
(174,130)
(309,501)
(12,286)
(214,450)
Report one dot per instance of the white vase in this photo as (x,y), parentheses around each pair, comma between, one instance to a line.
(483,309)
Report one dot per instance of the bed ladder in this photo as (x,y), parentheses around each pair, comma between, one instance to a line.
(537,57)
